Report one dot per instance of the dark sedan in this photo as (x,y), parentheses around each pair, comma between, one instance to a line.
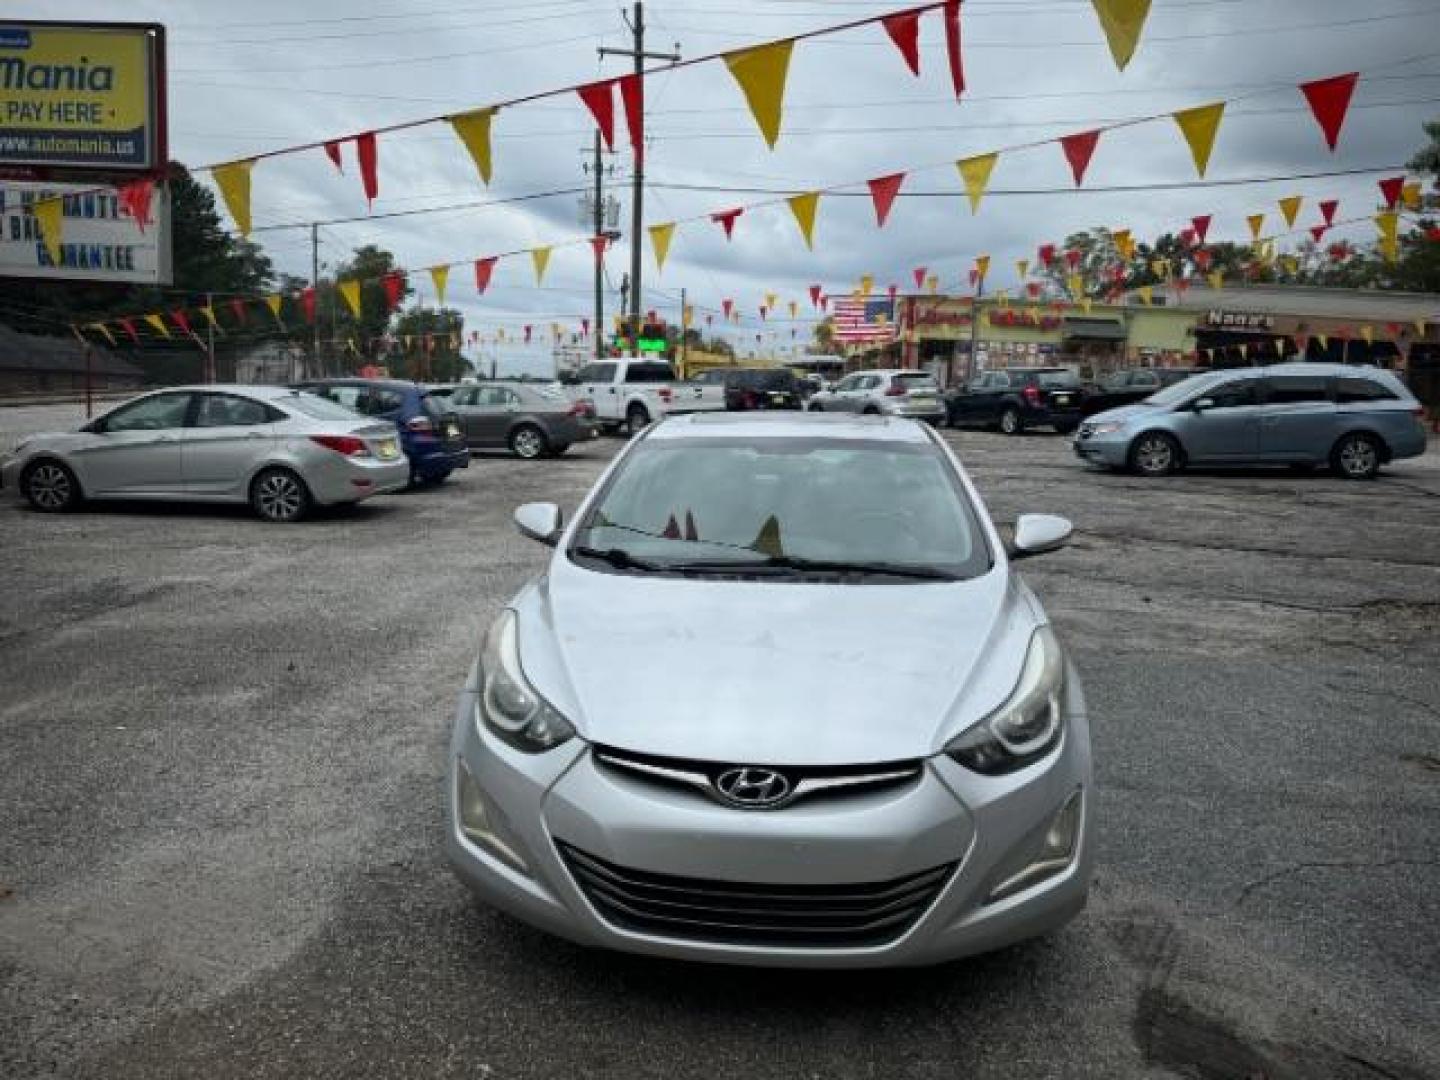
(530,420)
(1129,385)
(1019,398)
(757,388)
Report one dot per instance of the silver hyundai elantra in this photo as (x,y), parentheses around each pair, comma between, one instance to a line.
(778,698)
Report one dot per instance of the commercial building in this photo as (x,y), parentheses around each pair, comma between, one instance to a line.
(32,364)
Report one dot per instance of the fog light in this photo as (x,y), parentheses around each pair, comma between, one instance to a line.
(475,819)
(1056,851)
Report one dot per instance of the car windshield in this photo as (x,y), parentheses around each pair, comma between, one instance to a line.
(1062,380)
(434,407)
(920,380)
(316,407)
(746,502)
(1185,388)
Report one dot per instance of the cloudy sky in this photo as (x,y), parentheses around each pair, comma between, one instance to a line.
(258,76)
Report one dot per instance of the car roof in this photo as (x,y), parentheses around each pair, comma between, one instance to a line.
(727,425)
(265,392)
(359,380)
(1305,367)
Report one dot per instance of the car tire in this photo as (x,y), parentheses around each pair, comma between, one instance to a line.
(528,442)
(50,487)
(637,419)
(1154,454)
(279,496)
(815,406)
(1065,429)
(870,410)
(1011,422)
(1357,456)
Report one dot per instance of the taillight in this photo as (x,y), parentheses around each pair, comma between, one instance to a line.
(665,393)
(1031,394)
(420,423)
(581,408)
(896,390)
(342,444)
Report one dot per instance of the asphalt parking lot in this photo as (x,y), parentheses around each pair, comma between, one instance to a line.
(223,745)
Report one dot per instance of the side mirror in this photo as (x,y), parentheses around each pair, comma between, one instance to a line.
(1036,534)
(1201,404)
(540,521)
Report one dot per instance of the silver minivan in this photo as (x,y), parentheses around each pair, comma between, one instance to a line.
(1354,419)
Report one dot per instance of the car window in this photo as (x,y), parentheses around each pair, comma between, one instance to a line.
(649,373)
(348,396)
(999,380)
(317,407)
(158,413)
(463,396)
(1350,390)
(431,406)
(1235,395)
(743,499)
(227,410)
(596,373)
(1063,380)
(918,380)
(850,382)
(1144,379)
(380,401)
(1117,381)
(1185,390)
(1296,389)
(492,396)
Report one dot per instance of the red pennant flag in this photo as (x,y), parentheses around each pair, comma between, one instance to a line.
(394,284)
(332,151)
(1433,234)
(691,533)
(178,318)
(763,311)
(1327,210)
(892,290)
(136,198)
(952,45)
(307,302)
(1047,254)
(1187,237)
(528,330)
(1202,259)
(483,269)
(883,190)
(1318,233)
(1338,252)
(904,31)
(1330,100)
(1072,258)
(238,307)
(129,327)
(726,219)
(727,306)
(1078,150)
(632,96)
(598,245)
(920,272)
(1394,328)
(825,300)
(599,98)
(1391,190)
(815,291)
(974,276)
(365,150)
(1202,226)
(1033,288)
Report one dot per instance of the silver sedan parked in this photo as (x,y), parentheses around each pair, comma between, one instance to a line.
(778,698)
(530,420)
(282,451)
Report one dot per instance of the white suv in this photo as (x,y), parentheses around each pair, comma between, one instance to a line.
(889,393)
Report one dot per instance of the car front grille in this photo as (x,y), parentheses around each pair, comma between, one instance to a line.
(861,915)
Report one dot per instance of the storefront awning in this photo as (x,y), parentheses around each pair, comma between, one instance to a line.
(1095,329)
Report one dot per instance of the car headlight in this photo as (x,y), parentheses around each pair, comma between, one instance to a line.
(509,706)
(1105,429)
(1027,726)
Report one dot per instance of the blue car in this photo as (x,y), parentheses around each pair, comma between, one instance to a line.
(1354,419)
(430,434)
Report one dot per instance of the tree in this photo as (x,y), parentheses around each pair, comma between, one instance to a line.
(823,335)
(439,360)
(1427,158)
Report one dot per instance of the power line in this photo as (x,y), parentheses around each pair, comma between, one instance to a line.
(574,8)
(478,204)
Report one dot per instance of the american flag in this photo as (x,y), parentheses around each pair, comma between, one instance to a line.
(864,321)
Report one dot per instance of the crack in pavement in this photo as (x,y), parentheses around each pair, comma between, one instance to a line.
(1359,864)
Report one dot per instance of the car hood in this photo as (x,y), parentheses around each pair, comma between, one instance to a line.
(1123,413)
(58,441)
(781,673)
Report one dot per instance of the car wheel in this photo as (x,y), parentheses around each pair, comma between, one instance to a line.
(280,496)
(1356,456)
(1011,422)
(637,419)
(50,487)
(871,410)
(1155,454)
(815,406)
(528,441)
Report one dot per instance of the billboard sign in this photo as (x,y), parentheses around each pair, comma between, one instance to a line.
(83,99)
(101,241)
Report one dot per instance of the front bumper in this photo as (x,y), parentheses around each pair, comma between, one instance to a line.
(1112,449)
(976,826)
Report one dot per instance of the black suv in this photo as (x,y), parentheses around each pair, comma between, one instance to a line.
(1018,398)
(1129,385)
(757,388)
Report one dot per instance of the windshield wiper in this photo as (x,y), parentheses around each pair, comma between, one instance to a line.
(619,558)
(800,563)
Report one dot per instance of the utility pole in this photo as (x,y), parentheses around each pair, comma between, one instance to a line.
(637,220)
(974,327)
(315,371)
(684,338)
(599,263)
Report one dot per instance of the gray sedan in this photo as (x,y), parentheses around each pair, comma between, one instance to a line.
(282,451)
(528,419)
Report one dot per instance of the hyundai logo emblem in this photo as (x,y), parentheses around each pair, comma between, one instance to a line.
(753,788)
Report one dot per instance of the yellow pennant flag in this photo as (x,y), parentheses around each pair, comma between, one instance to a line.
(1245,352)
(982,266)
(1290,208)
(273,302)
(158,322)
(1003,296)
(794,309)
(233,180)
(1076,284)
(100,326)
(660,237)
(770,299)
(761,74)
(932,284)
(350,290)
(541,258)
(1147,295)
(1122,21)
(1368,333)
(439,277)
(1290,263)
(1199,127)
(804,207)
(208,310)
(1160,267)
(1256,222)
(975,171)
(1390,249)
(49,213)
(688,316)
(867,283)
(1124,243)
(1086,304)
(1216,279)
(1022,267)
(474,131)
(1324,340)
(1419,327)
(1410,195)
(1388,223)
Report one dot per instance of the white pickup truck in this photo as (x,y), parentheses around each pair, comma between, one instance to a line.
(631,393)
